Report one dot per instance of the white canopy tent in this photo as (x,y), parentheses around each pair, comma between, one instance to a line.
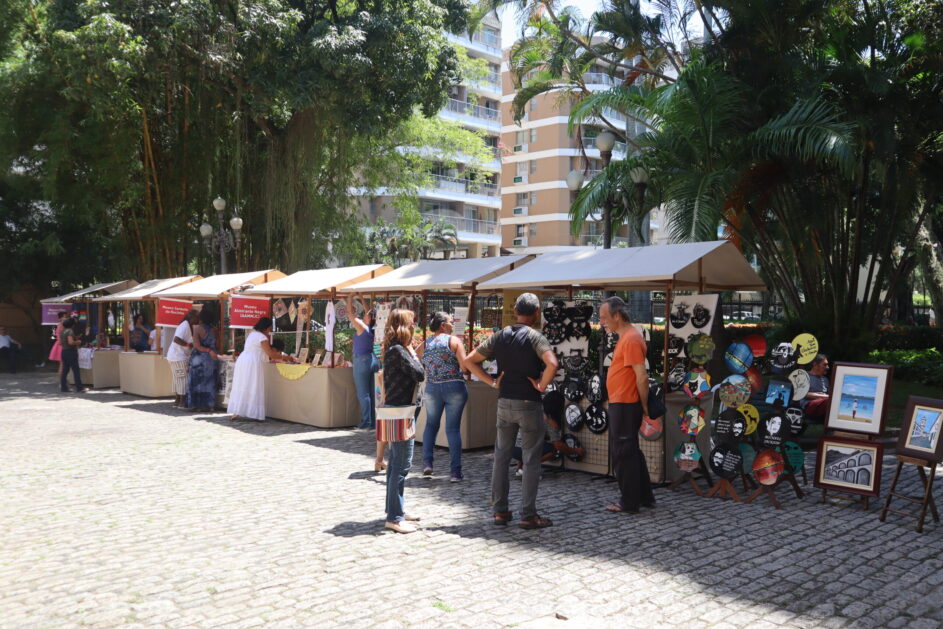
(713,266)
(107,288)
(439,275)
(307,283)
(144,292)
(219,286)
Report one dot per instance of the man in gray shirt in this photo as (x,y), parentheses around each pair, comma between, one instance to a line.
(526,364)
(815,403)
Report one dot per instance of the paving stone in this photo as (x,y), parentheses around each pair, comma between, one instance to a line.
(123,512)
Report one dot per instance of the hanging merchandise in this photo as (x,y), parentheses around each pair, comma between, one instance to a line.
(677,377)
(729,424)
(687,457)
(756,343)
(796,417)
(738,357)
(574,387)
(726,461)
(329,323)
(768,466)
(597,419)
(574,443)
(801,383)
(690,315)
(807,348)
(691,420)
(700,348)
(794,455)
(697,383)
(783,358)
(751,415)
(596,389)
(734,391)
(756,379)
(774,429)
(573,415)
(652,429)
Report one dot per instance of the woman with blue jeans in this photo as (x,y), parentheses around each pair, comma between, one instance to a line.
(365,365)
(402,373)
(442,358)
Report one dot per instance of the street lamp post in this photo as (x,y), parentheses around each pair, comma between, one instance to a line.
(605,142)
(222,239)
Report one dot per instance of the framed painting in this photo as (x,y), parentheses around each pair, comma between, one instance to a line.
(859,395)
(849,465)
(920,429)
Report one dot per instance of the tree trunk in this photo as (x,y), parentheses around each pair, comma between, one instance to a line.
(930,263)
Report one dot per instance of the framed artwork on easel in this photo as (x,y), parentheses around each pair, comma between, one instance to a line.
(920,430)
(859,398)
(849,465)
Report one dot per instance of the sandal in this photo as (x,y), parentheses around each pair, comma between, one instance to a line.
(501,518)
(617,508)
(535,522)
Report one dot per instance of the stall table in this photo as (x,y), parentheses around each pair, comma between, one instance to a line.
(324,397)
(105,372)
(145,373)
(479,427)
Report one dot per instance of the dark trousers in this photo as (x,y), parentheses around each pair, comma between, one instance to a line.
(70,360)
(628,462)
(9,354)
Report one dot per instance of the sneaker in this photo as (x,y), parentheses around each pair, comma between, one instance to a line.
(427,471)
(402,527)
(519,473)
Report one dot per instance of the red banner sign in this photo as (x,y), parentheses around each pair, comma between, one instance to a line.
(170,312)
(245,311)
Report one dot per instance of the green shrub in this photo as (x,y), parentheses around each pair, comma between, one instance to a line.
(915,365)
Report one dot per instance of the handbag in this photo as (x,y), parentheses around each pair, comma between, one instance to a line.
(656,404)
(398,423)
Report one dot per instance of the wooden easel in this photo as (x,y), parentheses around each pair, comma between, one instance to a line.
(689,477)
(723,489)
(788,476)
(864,501)
(924,502)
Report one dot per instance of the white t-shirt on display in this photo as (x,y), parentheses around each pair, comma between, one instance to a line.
(177,352)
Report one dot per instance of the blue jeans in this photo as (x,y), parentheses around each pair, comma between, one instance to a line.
(401,459)
(450,397)
(364,367)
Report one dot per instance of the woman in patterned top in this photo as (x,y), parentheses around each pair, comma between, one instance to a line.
(442,357)
(402,372)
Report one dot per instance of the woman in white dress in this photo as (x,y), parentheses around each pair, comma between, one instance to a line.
(247,398)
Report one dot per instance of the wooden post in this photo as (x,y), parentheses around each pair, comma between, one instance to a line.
(471,317)
(124,326)
(222,327)
(425,314)
(101,320)
(333,336)
(666,366)
(158,333)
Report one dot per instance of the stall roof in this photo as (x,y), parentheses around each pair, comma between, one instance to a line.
(217,286)
(438,275)
(304,283)
(148,288)
(107,287)
(720,263)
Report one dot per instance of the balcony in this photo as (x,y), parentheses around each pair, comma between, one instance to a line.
(487,43)
(595,240)
(462,224)
(598,78)
(465,186)
(475,111)
(589,143)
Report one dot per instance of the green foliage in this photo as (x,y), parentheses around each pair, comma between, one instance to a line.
(129,118)
(914,365)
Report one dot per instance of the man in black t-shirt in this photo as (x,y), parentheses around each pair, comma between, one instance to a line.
(526,364)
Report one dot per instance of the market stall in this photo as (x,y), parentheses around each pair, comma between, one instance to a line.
(98,360)
(174,303)
(449,278)
(310,393)
(693,267)
(140,373)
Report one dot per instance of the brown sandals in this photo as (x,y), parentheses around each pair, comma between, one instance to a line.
(535,522)
(501,518)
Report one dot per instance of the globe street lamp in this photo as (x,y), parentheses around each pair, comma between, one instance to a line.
(221,239)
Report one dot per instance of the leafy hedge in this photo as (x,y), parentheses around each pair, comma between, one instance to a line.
(892,337)
(915,365)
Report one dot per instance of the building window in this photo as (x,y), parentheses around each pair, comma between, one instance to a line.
(532,230)
(518,231)
(525,136)
(521,168)
(533,166)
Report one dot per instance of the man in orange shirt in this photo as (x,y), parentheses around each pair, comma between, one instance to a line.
(627,383)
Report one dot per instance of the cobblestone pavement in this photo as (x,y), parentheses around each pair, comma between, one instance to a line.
(119,511)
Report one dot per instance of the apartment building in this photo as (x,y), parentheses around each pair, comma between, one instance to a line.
(470,203)
(539,153)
